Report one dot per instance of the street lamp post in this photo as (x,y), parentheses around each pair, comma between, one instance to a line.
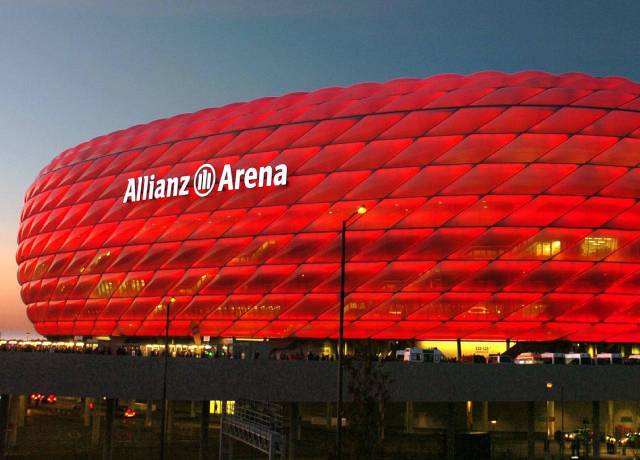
(562,420)
(561,446)
(343,236)
(163,426)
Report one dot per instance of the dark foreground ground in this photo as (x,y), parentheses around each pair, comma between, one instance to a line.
(58,432)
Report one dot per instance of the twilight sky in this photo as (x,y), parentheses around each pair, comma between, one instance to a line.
(71,70)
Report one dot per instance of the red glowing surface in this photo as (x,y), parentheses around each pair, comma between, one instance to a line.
(500,206)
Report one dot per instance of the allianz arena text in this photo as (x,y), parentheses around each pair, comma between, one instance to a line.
(500,206)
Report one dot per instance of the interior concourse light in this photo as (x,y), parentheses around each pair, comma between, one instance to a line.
(361,209)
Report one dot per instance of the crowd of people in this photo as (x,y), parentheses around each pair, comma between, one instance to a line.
(299,355)
(176,350)
(51,347)
(207,351)
(152,350)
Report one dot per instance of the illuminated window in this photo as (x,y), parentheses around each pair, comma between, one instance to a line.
(233,309)
(104,289)
(215,406)
(396,309)
(99,261)
(479,310)
(267,309)
(199,282)
(547,248)
(533,311)
(130,287)
(597,245)
(355,308)
(157,310)
(193,282)
(484,252)
(41,269)
(265,249)
(64,287)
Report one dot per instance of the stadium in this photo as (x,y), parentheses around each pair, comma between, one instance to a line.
(499,207)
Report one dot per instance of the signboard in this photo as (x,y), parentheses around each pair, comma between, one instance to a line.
(204,182)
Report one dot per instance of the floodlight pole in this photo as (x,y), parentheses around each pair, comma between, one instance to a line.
(163,425)
(343,256)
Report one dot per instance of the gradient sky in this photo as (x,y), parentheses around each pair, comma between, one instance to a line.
(71,70)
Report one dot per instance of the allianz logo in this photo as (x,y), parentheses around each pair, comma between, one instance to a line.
(203,182)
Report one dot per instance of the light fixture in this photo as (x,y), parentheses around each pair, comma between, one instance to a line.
(360,210)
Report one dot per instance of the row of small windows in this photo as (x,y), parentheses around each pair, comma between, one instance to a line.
(590,247)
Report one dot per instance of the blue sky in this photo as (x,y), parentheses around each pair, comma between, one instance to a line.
(71,70)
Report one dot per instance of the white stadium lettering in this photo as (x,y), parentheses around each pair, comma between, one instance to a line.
(130,194)
(148,187)
(226,180)
(184,183)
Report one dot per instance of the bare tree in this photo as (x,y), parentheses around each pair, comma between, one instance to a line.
(368,385)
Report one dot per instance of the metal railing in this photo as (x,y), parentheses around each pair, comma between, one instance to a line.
(257,424)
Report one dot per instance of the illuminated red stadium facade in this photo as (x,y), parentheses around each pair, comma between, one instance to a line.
(501,206)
